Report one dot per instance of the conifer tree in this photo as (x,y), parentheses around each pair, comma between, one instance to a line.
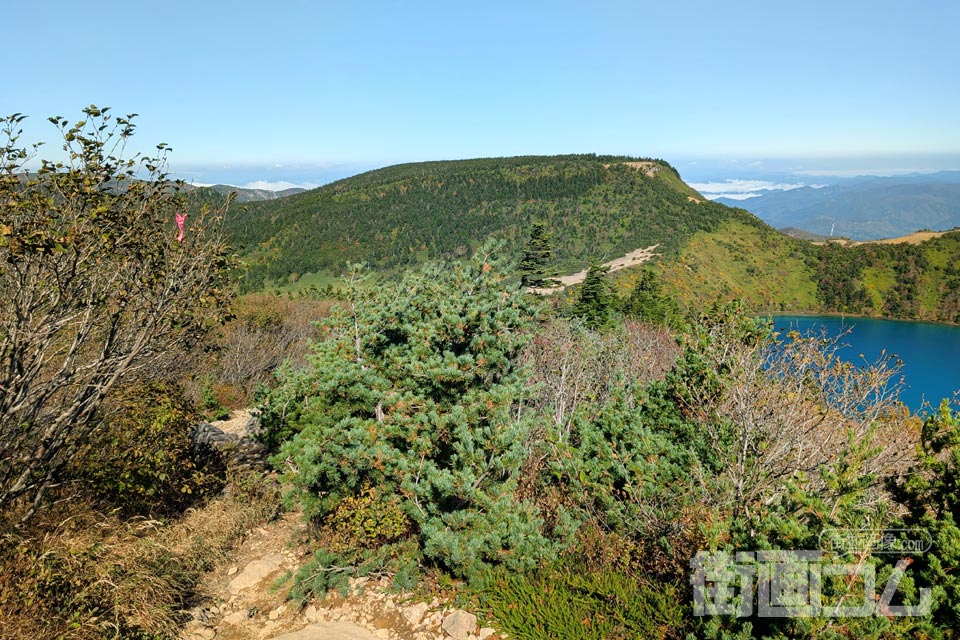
(595,302)
(535,266)
(648,302)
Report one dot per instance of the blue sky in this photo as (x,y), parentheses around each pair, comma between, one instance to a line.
(305,92)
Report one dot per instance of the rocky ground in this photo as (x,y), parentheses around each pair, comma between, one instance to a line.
(246,599)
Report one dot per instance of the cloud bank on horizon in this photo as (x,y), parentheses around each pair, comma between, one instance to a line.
(738,189)
(279,185)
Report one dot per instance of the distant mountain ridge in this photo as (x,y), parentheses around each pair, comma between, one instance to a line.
(247,195)
(598,208)
(864,208)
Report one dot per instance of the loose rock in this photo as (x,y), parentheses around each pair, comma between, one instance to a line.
(330,631)
(255,572)
(459,624)
(415,612)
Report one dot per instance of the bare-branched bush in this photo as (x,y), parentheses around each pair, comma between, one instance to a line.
(265,331)
(573,365)
(791,407)
(97,288)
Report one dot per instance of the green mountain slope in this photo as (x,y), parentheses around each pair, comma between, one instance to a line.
(772,272)
(597,207)
(866,208)
(766,269)
(213,193)
(911,281)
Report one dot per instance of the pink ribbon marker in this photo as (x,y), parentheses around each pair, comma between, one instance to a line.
(181,218)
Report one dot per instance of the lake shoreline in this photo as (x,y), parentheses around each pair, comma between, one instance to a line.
(835,314)
(925,350)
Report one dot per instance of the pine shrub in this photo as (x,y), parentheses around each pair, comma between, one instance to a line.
(417,395)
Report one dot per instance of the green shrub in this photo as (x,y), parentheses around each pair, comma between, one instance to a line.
(787,443)
(210,403)
(617,471)
(142,459)
(649,303)
(930,492)
(365,521)
(331,570)
(417,395)
(595,299)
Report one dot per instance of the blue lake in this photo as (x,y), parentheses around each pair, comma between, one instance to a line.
(930,352)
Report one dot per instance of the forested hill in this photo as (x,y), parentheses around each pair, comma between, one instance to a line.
(866,208)
(599,207)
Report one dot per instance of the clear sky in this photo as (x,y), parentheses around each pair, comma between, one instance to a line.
(298,91)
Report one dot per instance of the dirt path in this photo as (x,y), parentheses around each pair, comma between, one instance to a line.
(648,168)
(632,259)
(246,598)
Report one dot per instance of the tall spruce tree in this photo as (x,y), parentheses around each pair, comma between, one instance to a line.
(595,302)
(535,267)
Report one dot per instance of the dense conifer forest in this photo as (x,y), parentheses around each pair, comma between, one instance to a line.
(595,208)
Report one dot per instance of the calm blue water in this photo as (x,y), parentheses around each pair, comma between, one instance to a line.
(930,352)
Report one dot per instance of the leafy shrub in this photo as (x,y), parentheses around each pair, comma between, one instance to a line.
(364,521)
(211,404)
(143,458)
(96,289)
(786,442)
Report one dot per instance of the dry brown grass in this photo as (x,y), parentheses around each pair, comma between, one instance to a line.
(79,573)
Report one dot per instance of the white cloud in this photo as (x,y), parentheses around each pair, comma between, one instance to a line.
(279,185)
(742,189)
(735,196)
